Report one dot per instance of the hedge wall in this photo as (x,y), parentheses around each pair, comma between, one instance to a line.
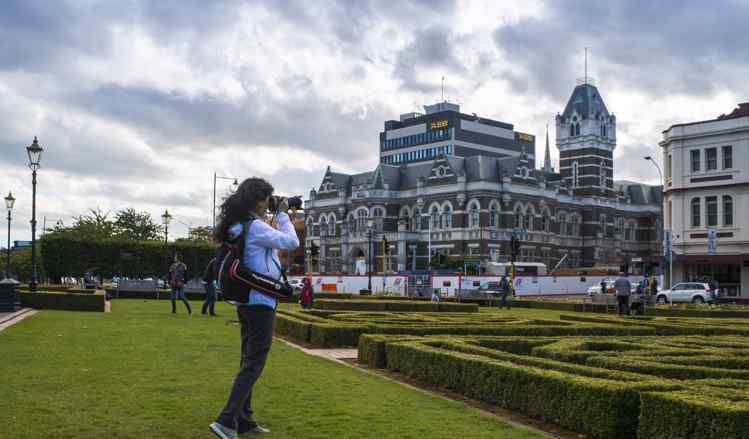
(64,256)
(394,306)
(64,301)
(553,379)
(330,329)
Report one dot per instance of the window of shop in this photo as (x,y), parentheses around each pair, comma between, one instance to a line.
(727,210)
(695,153)
(695,212)
(711,205)
(727,157)
(711,159)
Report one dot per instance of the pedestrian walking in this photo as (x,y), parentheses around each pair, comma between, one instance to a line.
(209,283)
(177,280)
(307,296)
(623,289)
(249,205)
(504,290)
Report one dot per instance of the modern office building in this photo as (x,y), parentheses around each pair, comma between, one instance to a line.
(707,193)
(443,130)
(481,186)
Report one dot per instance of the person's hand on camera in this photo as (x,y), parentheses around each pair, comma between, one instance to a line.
(283,205)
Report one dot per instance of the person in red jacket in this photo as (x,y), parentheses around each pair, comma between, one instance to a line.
(307,294)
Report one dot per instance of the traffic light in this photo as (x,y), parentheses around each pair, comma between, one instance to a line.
(314,250)
(385,245)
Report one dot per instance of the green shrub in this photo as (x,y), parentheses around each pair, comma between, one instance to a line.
(394,306)
(64,301)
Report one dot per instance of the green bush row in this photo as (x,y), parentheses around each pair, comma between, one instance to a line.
(671,326)
(329,333)
(394,306)
(602,402)
(64,301)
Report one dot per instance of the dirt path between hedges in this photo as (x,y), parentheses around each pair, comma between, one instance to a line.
(348,358)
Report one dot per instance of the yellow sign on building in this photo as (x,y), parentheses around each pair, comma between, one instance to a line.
(438,124)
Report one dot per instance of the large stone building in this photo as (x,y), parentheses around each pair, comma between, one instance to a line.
(707,192)
(457,184)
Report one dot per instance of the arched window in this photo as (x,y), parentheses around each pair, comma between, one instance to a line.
(474,215)
(528,220)
(311,226)
(415,220)
(518,217)
(323,225)
(562,220)
(446,219)
(434,217)
(545,221)
(352,224)
(574,225)
(572,130)
(331,225)
(574,175)
(493,216)
(696,214)
(361,220)
(378,215)
(577,129)
(727,210)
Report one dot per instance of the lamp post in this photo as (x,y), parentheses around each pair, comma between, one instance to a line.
(370,227)
(234,186)
(166,219)
(35,155)
(9,201)
(670,253)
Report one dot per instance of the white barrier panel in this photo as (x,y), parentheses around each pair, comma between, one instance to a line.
(525,285)
(352,284)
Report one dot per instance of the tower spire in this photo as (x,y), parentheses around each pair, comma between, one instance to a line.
(547,154)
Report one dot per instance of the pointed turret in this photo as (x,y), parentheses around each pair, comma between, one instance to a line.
(547,154)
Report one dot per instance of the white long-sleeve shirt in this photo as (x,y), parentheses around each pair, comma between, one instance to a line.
(261,247)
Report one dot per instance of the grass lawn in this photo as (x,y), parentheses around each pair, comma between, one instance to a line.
(141,372)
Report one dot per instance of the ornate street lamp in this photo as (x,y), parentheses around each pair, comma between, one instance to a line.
(9,202)
(166,219)
(234,187)
(35,155)
(370,229)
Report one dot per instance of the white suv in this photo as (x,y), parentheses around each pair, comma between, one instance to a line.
(687,292)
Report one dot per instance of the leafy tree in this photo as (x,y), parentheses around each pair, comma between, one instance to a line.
(94,226)
(131,225)
(201,233)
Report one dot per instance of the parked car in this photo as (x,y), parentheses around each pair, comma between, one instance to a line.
(687,292)
(596,288)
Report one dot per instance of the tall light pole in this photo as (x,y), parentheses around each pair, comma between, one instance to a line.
(35,155)
(234,186)
(166,219)
(370,227)
(9,202)
(663,221)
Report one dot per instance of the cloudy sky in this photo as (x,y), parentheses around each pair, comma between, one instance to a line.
(138,103)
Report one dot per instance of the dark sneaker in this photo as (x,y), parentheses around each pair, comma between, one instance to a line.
(222,431)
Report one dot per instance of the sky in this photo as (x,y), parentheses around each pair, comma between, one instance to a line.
(137,103)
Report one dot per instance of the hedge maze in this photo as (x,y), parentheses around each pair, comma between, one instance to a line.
(607,387)
(394,306)
(329,329)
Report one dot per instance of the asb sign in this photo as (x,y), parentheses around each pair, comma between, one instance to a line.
(438,124)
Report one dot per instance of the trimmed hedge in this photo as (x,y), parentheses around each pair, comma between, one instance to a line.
(162,294)
(394,306)
(551,379)
(329,329)
(64,301)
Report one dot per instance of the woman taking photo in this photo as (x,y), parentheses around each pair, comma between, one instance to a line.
(257,314)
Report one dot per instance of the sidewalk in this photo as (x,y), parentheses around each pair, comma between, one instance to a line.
(9,319)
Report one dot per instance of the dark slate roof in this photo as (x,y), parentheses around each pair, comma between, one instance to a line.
(361,178)
(391,175)
(410,175)
(480,168)
(640,193)
(587,101)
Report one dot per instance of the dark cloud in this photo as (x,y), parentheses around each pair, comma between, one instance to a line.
(659,48)
(433,47)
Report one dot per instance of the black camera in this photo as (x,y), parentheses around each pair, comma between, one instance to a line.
(275,201)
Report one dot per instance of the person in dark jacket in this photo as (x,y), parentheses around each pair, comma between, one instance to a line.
(504,290)
(307,294)
(209,283)
(177,279)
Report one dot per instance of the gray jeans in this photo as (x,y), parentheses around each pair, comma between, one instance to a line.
(257,335)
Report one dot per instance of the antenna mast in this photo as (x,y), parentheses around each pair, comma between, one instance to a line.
(443,89)
(586,65)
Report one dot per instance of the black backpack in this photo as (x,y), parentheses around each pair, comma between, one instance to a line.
(235,280)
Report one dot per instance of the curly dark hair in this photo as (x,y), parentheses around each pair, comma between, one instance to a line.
(238,207)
